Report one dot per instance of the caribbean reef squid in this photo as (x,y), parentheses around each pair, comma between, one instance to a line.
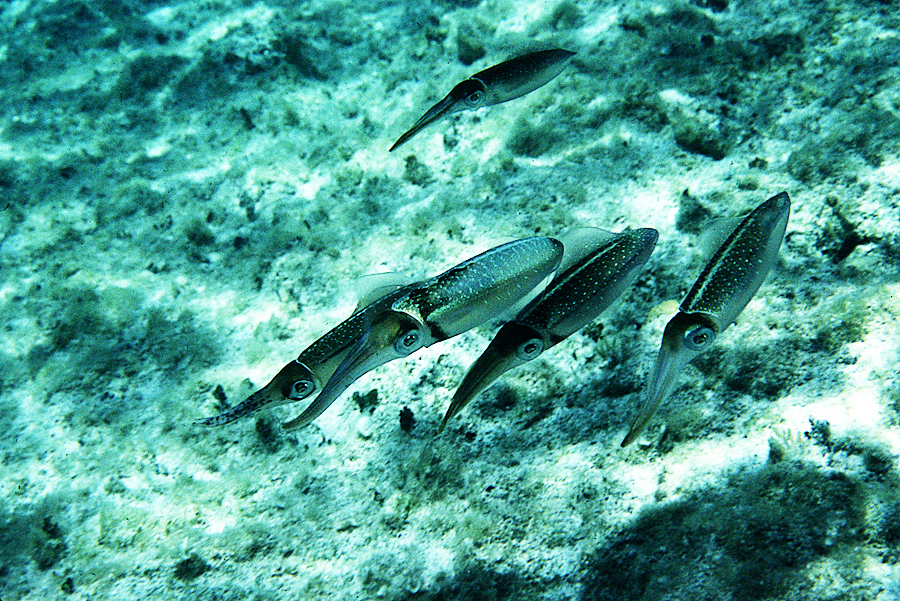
(727,283)
(597,268)
(506,81)
(404,320)
(306,375)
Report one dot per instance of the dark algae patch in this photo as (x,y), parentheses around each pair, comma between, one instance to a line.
(191,568)
(751,539)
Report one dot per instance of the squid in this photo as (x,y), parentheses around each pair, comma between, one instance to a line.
(403,319)
(491,281)
(444,306)
(506,81)
(306,375)
(597,269)
(727,283)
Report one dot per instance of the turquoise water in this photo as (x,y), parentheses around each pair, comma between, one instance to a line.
(190,194)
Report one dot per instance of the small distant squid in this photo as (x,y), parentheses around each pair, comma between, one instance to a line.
(500,83)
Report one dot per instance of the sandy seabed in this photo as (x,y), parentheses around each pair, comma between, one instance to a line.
(191,191)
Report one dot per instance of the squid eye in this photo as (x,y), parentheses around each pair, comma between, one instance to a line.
(475,98)
(408,342)
(699,339)
(302,389)
(530,349)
